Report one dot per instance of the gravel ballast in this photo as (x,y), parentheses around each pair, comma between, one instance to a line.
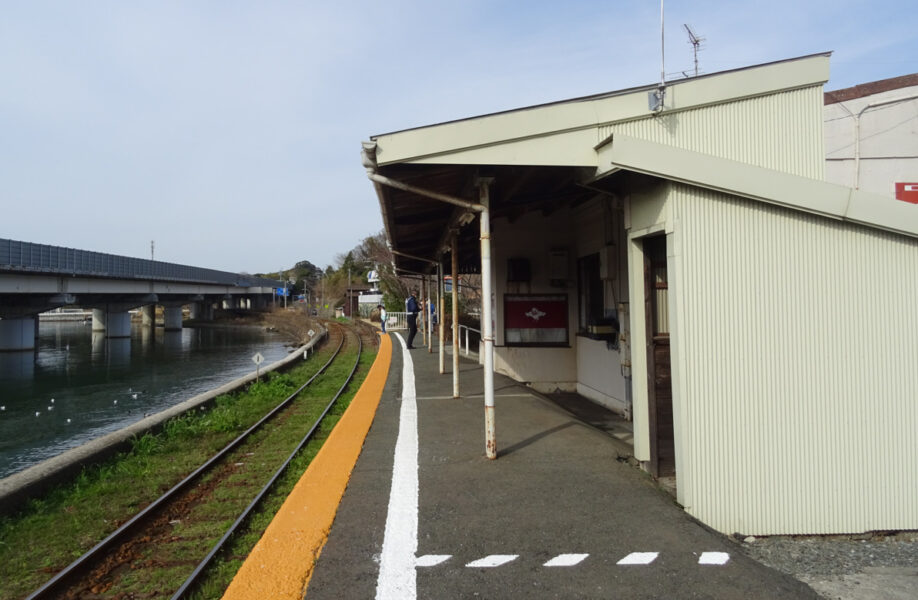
(864,567)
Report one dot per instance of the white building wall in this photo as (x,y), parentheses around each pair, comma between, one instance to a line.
(797,339)
(599,227)
(587,366)
(888,141)
(533,237)
(780,131)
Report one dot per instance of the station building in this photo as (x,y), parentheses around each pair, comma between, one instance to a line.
(685,264)
(871,133)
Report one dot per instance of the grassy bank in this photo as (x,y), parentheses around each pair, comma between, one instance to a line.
(53,530)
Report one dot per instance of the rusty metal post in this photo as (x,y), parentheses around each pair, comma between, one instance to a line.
(487,324)
(430,305)
(454,258)
(440,305)
(425,310)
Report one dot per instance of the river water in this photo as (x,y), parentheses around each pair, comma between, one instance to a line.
(78,385)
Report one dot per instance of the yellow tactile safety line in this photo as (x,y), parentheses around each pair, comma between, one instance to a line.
(282,561)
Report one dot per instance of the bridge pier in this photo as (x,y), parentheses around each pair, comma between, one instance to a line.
(202,311)
(148,315)
(18,333)
(115,324)
(172,318)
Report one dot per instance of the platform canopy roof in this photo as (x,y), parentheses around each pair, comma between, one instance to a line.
(546,157)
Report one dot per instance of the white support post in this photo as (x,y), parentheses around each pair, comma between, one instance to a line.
(487,329)
(430,305)
(440,305)
(454,259)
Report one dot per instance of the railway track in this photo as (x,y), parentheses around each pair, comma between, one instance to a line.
(177,537)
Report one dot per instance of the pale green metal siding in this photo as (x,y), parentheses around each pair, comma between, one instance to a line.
(780,131)
(797,343)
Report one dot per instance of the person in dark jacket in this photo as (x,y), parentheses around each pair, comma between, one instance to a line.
(412,308)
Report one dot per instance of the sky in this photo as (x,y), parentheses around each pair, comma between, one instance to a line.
(228,133)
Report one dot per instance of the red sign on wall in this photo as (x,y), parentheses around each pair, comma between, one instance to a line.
(535,320)
(907,192)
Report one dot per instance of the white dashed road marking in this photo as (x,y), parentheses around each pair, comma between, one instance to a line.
(432,560)
(566,560)
(713,558)
(494,560)
(639,558)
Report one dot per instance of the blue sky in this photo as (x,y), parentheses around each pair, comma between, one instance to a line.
(229,132)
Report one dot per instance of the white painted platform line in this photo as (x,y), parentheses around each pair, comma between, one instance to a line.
(566,560)
(639,558)
(432,560)
(713,558)
(493,560)
(397,576)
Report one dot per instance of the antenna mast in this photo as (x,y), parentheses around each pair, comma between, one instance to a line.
(696,44)
(656,98)
(662,50)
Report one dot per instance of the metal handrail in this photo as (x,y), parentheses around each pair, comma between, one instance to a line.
(396,320)
(467,330)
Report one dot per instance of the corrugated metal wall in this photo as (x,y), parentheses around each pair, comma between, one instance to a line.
(780,131)
(798,398)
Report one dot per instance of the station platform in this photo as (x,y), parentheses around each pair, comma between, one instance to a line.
(559,513)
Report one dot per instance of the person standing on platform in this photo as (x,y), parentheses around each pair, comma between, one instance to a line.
(382,317)
(412,308)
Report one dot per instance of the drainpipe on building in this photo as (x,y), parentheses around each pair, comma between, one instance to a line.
(857,131)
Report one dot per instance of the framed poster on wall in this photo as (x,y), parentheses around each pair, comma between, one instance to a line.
(535,320)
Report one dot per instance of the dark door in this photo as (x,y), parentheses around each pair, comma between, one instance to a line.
(659,378)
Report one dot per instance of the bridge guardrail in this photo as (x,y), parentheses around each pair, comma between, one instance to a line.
(28,257)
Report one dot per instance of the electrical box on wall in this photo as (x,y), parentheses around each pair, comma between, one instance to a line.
(518,270)
(558,267)
(608,263)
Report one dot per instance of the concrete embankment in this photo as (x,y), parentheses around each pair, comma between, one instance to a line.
(31,482)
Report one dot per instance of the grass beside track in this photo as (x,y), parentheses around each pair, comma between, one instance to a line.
(52,531)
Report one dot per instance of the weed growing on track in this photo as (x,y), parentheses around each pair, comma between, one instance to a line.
(52,531)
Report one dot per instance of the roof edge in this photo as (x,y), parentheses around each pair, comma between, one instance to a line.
(609,94)
(758,183)
(862,90)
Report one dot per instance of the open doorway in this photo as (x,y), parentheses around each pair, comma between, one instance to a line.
(659,371)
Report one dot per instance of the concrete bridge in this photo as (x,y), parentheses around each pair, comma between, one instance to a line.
(35,278)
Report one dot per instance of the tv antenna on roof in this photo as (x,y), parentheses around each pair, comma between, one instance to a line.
(696,45)
(655,99)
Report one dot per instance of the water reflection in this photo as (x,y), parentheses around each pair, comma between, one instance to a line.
(17,365)
(98,385)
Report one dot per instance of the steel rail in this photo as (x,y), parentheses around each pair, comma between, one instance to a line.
(204,564)
(68,571)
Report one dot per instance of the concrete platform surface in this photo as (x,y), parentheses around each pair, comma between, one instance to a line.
(557,515)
